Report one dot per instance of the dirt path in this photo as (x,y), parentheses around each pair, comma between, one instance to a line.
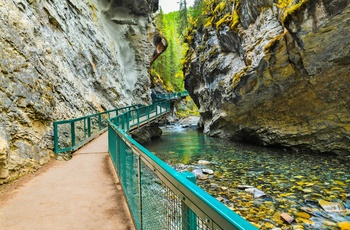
(82,193)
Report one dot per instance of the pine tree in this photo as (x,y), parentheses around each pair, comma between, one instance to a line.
(183,17)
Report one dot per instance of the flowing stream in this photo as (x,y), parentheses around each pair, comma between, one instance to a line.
(261,184)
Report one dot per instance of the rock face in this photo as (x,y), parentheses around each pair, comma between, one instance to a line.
(64,59)
(147,133)
(279,77)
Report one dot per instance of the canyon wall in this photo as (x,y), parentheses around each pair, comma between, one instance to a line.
(275,73)
(61,59)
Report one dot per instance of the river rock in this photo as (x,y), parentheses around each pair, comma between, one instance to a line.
(256,192)
(208,171)
(199,174)
(331,206)
(287,218)
(145,134)
(203,162)
(278,76)
(344,225)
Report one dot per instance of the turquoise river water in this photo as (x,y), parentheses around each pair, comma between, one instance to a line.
(313,189)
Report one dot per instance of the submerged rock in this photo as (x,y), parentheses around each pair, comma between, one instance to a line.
(203,162)
(287,218)
(199,174)
(331,206)
(256,192)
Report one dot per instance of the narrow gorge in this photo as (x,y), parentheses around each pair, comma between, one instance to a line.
(275,73)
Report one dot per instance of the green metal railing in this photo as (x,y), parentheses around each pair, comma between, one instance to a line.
(69,135)
(158,196)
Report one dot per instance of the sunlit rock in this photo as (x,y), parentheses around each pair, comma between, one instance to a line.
(66,59)
(331,206)
(203,162)
(278,77)
(286,217)
(208,171)
(199,174)
(344,225)
(256,192)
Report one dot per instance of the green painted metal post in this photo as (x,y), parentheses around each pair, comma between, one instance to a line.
(99,122)
(189,220)
(85,128)
(112,144)
(72,130)
(55,137)
(138,116)
(128,117)
(89,126)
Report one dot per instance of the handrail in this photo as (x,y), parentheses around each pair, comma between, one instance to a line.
(158,196)
(69,135)
(172,95)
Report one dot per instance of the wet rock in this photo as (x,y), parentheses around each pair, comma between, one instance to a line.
(256,192)
(203,162)
(303,215)
(208,171)
(331,206)
(146,134)
(287,218)
(347,204)
(344,225)
(244,187)
(199,174)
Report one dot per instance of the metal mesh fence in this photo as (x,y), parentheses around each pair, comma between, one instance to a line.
(158,196)
(155,196)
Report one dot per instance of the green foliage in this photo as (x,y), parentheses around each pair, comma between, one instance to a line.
(288,7)
(182,19)
(169,66)
(186,108)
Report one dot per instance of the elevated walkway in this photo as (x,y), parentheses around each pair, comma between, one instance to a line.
(83,193)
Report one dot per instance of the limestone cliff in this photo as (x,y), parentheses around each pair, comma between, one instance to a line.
(61,59)
(275,73)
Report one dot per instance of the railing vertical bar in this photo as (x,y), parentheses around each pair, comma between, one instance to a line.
(89,126)
(55,136)
(140,189)
(72,129)
(99,122)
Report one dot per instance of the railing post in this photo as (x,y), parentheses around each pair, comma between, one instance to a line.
(99,122)
(85,128)
(72,131)
(112,144)
(140,189)
(189,219)
(138,117)
(55,137)
(89,126)
(128,120)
